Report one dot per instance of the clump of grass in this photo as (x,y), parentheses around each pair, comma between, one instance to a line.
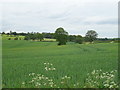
(38,81)
(95,79)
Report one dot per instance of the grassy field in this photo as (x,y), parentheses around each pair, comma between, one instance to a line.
(12,37)
(20,58)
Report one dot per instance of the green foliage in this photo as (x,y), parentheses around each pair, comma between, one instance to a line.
(34,36)
(91,35)
(9,38)
(61,36)
(48,35)
(27,37)
(3,33)
(79,39)
(16,38)
(38,36)
(72,38)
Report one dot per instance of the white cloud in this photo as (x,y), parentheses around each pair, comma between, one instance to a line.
(76,16)
(41,1)
(101,20)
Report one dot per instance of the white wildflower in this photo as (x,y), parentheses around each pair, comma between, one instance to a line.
(62,82)
(49,68)
(46,68)
(33,74)
(53,69)
(65,76)
(74,85)
(23,83)
(93,72)
(51,85)
(44,84)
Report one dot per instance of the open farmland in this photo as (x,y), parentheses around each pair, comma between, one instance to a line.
(20,58)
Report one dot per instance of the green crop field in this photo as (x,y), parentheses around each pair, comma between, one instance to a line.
(12,37)
(20,58)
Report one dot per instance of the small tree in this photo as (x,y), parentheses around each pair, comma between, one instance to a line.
(26,37)
(72,38)
(39,36)
(9,38)
(61,36)
(91,35)
(16,38)
(3,32)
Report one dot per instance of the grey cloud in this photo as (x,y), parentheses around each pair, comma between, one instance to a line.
(75,17)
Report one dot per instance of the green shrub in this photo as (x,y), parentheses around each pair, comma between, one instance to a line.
(16,38)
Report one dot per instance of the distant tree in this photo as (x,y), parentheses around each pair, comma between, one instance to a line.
(27,37)
(8,33)
(61,36)
(79,39)
(22,34)
(52,35)
(91,35)
(3,32)
(16,38)
(72,38)
(32,36)
(39,36)
(14,33)
(106,38)
(9,38)
(48,35)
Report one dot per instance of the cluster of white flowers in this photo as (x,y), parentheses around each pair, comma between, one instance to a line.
(110,82)
(95,79)
(100,79)
(65,79)
(49,67)
(39,80)
(76,85)
(31,74)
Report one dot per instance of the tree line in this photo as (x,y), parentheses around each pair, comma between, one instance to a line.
(61,35)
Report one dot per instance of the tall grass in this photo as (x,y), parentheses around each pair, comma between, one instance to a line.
(95,79)
(21,58)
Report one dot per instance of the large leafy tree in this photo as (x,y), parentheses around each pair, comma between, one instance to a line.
(91,35)
(61,36)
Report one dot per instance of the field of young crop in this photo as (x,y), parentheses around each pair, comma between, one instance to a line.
(75,61)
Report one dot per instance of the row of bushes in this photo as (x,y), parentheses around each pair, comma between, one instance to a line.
(77,40)
(16,38)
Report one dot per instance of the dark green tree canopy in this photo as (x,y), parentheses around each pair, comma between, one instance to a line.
(61,31)
(91,35)
(61,36)
(79,39)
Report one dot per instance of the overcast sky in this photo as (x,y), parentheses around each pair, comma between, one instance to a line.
(75,16)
